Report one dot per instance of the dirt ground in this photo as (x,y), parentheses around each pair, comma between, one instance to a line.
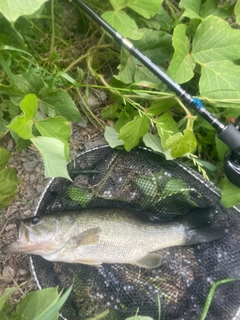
(14,269)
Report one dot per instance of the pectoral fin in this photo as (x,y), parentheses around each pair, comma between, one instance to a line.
(90,236)
(152,260)
(89,262)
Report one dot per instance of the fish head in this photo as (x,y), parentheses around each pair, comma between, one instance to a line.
(37,235)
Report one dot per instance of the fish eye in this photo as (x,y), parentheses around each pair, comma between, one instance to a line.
(35,220)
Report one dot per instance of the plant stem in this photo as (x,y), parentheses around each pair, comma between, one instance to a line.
(53,30)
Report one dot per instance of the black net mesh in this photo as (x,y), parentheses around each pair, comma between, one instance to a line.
(161,190)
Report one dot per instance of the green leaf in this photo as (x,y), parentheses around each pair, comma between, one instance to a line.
(221,147)
(52,152)
(22,84)
(112,111)
(58,128)
(52,311)
(215,40)
(216,47)
(111,135)
(58,103)
(181,144)
(8,186)
(133,131)
(4,157)
(182,64)
(81,197)
(41,300)
(125,25)
(230,194)
(166,127)
(237,11)
(22,125)
(192,8)
(161,105)
(156,45)
(7,293)
(20,143)
(152,141)
(13,9)
(146,8)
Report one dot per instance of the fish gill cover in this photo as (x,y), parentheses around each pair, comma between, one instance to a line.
(159,190)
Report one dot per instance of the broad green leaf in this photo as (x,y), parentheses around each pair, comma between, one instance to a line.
(112,111)
(210,7)
(41,300)
(166,127)
(237,11)
(7,293)
(52,152)
(111,135)
(125,25)
(182,64)
(215,40)
(52,312)
(4,157)
(13,9)
(156,45)
(180,144)
(8,186)
(20,143)
(58,103)
(132,71)
(58,128)
(161,105)
(2,316)
(22,125)
(192,8)
(146,8)
(133,131)
(22,84)
(152,141)
(3,123)
(220,81)
(230,194)
(221,147)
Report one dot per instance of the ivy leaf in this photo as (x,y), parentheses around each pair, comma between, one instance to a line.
(133,131)
(125,25)
(58,103)
(52,152)
(182,64)
(8,186)
(13,9)
(111,135)
(166,127)
(230,194)
(58,128)
(180,144)
(22,125)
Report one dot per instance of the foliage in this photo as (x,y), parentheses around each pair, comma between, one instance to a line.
(37,305)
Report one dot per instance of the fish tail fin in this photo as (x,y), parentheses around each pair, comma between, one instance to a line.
(200,227)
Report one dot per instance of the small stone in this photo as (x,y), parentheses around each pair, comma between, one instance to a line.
(30,166)
(10,227)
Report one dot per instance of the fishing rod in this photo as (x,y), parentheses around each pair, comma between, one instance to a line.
(229,134)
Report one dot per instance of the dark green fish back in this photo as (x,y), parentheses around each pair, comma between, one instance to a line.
(158,190)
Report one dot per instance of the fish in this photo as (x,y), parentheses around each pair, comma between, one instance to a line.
(110,235)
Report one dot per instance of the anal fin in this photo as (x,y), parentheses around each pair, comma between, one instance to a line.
(151,260)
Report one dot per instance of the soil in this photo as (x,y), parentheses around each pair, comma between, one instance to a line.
(14,268)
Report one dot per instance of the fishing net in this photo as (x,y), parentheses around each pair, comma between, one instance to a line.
(162,190)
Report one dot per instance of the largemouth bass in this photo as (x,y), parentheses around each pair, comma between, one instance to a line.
(100,235)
